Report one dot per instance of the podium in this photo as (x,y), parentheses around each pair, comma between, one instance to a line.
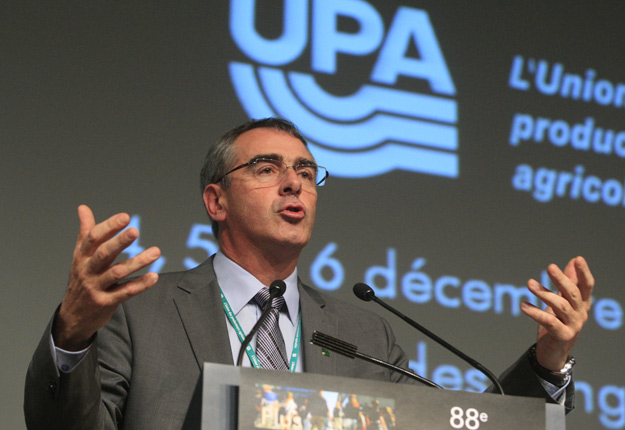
(247,398)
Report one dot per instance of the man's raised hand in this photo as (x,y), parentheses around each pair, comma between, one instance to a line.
(93,291)
(567,311)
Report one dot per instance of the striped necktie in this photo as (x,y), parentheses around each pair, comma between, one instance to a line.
(270,348)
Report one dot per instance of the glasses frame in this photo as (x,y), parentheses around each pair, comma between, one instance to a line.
(319,183)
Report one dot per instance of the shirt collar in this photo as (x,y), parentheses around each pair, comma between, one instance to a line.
(239,286)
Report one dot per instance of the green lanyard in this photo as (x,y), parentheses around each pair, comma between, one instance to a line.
(249,350)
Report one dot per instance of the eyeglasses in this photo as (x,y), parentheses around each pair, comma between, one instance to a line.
(271,172)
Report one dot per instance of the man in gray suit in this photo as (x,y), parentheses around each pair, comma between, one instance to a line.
(128,354)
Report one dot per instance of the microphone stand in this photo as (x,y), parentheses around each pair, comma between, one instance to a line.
(366,293)
(348,350)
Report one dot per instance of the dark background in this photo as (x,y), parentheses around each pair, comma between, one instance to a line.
(113,104)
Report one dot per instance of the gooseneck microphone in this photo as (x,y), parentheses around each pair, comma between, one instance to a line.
(366,293)
(276,289)
(351,351)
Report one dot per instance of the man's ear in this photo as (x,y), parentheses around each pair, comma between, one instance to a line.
(213,197)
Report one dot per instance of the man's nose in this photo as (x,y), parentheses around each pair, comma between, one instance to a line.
(291,182)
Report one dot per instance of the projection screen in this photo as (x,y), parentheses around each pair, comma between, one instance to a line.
(469,143)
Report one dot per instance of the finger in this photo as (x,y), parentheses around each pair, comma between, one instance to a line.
(567,287)
(550,325)
(570,271)
(86,220)
(559,307)
(545,319)
(586,282)
(126,268)
(129,289)
(102,232)
(108,251)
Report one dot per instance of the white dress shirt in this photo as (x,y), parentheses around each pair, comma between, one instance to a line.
(240,287)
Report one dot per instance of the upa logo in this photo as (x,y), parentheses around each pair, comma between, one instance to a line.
(373,130)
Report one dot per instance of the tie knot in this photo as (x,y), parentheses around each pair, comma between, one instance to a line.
(262,297)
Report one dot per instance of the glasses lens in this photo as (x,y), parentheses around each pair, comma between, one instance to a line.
(307,174)
(322,175)
(268,171)
(271,172)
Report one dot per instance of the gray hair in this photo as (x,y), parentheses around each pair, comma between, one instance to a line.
(220,157)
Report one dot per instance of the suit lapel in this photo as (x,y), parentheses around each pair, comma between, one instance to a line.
(198,302)
(315,316)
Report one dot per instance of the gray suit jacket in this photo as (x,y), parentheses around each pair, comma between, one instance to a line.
(143,370)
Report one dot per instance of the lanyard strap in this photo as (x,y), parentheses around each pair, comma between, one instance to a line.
(249,350)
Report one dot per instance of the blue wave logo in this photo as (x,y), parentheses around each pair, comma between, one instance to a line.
(379,127)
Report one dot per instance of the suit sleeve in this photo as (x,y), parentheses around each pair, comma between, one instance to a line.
(518,380)
(92,396)
(521,380)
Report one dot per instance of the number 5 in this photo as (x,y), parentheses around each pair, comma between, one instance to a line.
(196,240)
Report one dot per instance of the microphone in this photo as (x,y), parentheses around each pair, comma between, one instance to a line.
(276,289)
(366,293)
(348,350)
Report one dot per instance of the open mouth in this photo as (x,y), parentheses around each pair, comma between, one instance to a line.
(293,211)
